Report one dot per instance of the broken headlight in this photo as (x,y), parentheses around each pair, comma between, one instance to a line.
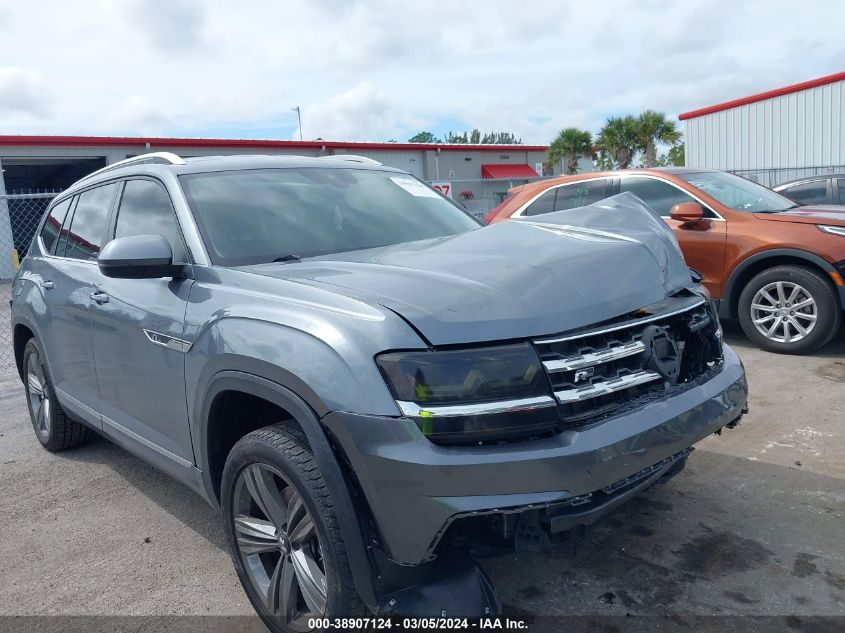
(470,395)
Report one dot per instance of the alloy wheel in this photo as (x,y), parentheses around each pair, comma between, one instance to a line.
(37,396)
(278,545)
(784,312)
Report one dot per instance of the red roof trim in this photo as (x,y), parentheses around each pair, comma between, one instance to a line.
(804,85)
(500,170)
(57,141)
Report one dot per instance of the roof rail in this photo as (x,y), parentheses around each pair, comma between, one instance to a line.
(152,158)
(353,158)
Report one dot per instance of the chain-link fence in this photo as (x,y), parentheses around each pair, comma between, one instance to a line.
(776,176)
(19,217)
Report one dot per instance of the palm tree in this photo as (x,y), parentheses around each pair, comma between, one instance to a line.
(569,145)
(620,139)
(655,129)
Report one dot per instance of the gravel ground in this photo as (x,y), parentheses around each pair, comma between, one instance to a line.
(753,526)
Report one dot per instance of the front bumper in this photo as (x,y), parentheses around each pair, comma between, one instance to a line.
(415,488)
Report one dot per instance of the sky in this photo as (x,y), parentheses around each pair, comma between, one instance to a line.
(383,70)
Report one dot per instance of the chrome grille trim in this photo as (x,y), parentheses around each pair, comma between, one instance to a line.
(591,359)
(620,326)
(605,387)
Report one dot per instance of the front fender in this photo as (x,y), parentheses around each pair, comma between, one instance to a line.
(320,448)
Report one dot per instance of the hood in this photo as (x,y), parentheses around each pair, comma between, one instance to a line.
(816,214)
(517,279)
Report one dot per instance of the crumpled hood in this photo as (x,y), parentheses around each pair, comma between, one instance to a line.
(516,279)
(816,214)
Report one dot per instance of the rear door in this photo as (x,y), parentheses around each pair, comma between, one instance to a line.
(703,243)
(68,278)
(138,327)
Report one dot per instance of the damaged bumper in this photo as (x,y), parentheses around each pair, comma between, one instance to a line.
(416,489)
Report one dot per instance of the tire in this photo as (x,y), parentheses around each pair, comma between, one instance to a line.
(272,473)
(53,428)
(763,306)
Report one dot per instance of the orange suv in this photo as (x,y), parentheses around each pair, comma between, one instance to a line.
(775,265)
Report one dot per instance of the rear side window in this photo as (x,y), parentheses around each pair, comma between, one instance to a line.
(813,192)
(544,204)
(88,225)
(659,195)
(145,209)
(53,225)
(580,194)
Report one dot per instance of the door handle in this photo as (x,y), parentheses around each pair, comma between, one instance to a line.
(99,297)
(47,284)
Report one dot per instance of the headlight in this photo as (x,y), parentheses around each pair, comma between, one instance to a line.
(462,396)
(833,230)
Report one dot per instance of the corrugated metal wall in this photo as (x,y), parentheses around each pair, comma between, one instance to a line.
(798,130)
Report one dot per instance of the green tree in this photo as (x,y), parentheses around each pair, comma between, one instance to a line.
(653,129)
(424,137)
(568,146)
(619,141)
(475,137)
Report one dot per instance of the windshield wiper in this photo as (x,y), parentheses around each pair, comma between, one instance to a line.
(287,258)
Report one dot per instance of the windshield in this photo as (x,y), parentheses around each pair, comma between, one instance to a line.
(258,216)
(738,193)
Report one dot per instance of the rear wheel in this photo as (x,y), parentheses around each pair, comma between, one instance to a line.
(53,428)
(789,310)
(283,532)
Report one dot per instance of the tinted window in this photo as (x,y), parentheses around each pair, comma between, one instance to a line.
(145,209)
(256,216)
(580,194)
(544,204)
(53,225)
(840,183)
(814,192)
(88,225)
(659,195)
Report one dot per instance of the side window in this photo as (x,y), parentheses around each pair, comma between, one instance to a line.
(580,194)
(813,192)
(659,195)
(840,184)
(88,225)
(145,209)
(543,204)
(53,225)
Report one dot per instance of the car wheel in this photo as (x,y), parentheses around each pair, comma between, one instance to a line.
(789,310)
(53,428)
(283,532)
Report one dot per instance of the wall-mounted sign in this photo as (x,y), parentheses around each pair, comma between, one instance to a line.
(443,186)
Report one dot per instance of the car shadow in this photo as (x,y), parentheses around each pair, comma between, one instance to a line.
(175,498)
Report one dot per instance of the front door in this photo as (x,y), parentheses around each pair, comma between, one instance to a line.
(137,327)
(702,243)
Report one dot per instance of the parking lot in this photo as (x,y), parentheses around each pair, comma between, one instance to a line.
(753,526)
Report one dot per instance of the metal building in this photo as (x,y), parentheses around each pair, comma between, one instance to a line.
(773,136)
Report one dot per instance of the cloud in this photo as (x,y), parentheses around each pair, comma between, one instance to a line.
(360,112)
(386,69)
(170,25)
(22,92)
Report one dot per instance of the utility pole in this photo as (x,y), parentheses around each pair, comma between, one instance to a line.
(299,118)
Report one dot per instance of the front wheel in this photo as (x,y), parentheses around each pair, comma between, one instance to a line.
(283,533)
(789,310)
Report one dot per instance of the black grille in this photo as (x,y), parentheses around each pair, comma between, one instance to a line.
(635,359)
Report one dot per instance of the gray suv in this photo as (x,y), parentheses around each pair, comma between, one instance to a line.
(373,387)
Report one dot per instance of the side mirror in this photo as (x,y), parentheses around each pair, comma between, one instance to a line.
(687,212)
(139,257)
